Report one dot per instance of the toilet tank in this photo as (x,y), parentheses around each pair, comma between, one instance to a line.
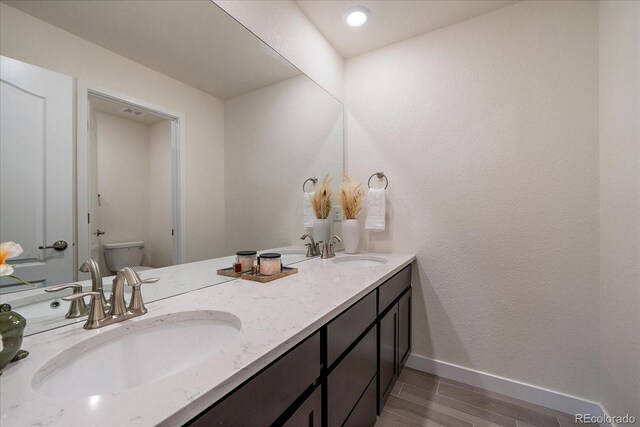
(123,254)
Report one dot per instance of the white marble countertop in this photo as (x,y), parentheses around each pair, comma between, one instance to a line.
(174,280)
(275,317)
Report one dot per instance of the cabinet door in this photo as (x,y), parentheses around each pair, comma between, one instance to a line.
(350,378)
(309,414)
(404,328)
(388,362)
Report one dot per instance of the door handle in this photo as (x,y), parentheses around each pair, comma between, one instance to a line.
(100,233)
(59,245)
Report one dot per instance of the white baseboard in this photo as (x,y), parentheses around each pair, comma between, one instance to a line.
(518,390)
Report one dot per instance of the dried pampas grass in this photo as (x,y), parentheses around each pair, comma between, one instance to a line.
(321,201)
(351,198)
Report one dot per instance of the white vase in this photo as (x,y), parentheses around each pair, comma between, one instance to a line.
(321,230)
(350,235)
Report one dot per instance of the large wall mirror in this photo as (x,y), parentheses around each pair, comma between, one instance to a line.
(164,127)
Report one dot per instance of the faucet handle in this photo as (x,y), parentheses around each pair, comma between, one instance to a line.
(136,305)
(77,308)
(331,243)
(81,295)
(133,278)
(96,315)
(58,288)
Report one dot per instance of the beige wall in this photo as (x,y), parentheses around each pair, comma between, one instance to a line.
(123,181)
(620,206)
(134,182)
(27,39)
(488,131)
(275,138)
(285,27)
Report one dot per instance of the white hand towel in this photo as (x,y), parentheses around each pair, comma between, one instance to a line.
(375,209)
(307,211)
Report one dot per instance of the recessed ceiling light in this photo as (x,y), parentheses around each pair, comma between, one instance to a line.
(356,16)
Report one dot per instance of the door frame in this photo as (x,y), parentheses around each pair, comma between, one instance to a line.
(178,192)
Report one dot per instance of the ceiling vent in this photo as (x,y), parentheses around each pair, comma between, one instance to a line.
(128,110)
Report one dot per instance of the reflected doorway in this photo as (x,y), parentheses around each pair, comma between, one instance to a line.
(132,187)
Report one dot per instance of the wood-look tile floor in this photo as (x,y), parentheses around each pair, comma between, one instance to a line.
(421,399)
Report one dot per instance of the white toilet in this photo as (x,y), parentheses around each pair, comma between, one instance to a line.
(124,254)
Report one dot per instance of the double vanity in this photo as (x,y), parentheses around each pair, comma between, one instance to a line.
(321,347)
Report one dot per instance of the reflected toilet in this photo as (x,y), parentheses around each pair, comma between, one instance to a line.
(125,254)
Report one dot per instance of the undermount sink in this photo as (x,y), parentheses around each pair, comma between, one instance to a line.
(136,354)
(360,261)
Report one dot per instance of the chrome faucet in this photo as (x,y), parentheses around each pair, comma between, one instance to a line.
(119,310)
(313,248)
(327,248)
(90,266)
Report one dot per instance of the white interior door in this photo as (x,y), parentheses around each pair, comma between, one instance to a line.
(36,205)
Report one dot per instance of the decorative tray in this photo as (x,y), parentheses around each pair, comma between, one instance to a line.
(286,271)
(228,272)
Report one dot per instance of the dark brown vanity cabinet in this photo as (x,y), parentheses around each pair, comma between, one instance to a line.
(339,377)
(388,367)
(361,378)
(309,414)
(351,358)
(394,331)
(267,397)
(404,327)
(364,413)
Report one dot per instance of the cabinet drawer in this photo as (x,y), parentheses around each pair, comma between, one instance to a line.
(364,414)
(346,328)
(350,378)
(392,288)
(265,397)
(309,414)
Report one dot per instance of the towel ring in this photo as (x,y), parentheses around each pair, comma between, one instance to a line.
(314,180)
(379,175)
